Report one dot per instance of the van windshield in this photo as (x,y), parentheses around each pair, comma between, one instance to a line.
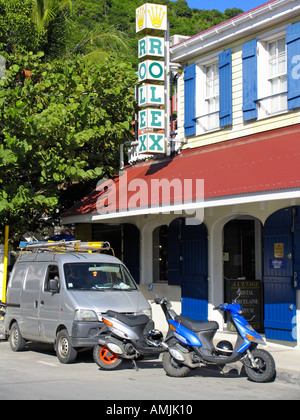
(98,276)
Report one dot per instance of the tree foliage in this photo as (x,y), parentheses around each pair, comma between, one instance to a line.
(90,16)
(121,15)
(16,27)
(52,20)
(59,126)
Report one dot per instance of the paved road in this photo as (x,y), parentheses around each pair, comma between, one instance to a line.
(36,374)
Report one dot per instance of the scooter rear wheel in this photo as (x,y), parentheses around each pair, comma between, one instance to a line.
(105,358)
(266,370)
(174,368)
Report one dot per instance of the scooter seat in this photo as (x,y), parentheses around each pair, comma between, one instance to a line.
(130,320)
(197,326)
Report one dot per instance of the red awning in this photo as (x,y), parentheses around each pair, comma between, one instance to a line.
(261,163)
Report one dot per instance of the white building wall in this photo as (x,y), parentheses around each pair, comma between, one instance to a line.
(215,219)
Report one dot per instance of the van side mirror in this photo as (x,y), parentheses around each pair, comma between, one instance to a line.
(53,286)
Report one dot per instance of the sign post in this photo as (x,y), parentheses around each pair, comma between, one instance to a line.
(6,233)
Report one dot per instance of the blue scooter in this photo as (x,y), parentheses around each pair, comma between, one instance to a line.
(194,346)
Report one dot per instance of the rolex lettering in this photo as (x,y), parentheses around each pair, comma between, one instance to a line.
(151,46)
(151,95)
(151,70)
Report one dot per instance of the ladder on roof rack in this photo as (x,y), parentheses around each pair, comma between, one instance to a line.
(65,246)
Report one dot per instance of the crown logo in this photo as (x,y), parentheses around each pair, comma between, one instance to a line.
(156,16)
(140,15)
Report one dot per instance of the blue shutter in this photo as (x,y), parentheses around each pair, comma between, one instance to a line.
(190,100)
(279,292)
(194,271)
(225,114)
(293,65)
(249,80)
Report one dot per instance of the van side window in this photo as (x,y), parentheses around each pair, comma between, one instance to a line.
(52,274)
(35,273)
(17,279)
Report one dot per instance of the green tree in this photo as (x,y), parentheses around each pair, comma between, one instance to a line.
(95,35)
(45,11)
(17,30)
(101,43)
(60,129)
(52,20)
(182,9)
(35,25)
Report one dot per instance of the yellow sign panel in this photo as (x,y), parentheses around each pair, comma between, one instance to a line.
(151,16)
(279,250)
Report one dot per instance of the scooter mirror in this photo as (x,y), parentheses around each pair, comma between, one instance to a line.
(238,295)
(150,288)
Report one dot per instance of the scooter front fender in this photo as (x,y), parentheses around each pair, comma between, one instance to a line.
(184,335)
(248,334)
(246,344)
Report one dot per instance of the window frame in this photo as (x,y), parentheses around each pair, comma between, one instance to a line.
(266,97)
(202,99)
(47,278)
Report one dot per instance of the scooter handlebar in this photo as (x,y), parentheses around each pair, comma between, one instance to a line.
(220,307)
(159,300)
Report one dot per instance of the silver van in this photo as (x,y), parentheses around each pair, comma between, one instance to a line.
(59,298)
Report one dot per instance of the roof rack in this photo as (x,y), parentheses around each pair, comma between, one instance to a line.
(65,246)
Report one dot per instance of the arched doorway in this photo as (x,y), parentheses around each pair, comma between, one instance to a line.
(242,267)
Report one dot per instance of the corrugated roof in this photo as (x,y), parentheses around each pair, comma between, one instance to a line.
(264,162)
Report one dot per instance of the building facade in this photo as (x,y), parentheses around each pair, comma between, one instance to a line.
(220,211)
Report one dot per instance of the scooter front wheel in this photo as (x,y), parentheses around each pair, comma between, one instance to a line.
(265,370)
(174,368)
(105,358)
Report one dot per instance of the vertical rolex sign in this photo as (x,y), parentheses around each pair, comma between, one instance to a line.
(151,21)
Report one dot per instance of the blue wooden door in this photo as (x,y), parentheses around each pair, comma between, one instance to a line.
(188,267)
(279,278)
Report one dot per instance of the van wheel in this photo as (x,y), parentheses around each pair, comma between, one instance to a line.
(64,350)
(16,341)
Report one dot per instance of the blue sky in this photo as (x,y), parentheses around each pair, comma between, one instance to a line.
(221,5)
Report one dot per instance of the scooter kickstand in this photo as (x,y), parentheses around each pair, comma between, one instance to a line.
(222,370)
(135,365)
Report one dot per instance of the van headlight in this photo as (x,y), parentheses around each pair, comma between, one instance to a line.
(85,315)
(146,311)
